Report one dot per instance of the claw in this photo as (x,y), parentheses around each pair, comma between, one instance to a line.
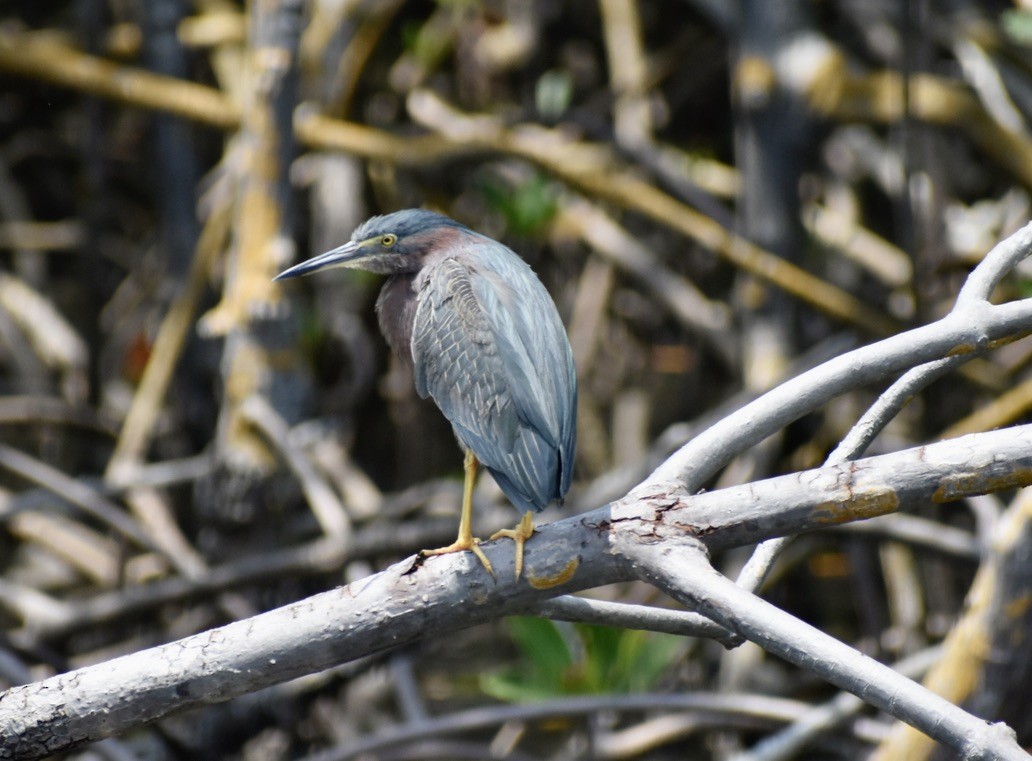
(462,545)
(519,535)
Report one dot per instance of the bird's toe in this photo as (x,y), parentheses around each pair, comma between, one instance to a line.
(473,545)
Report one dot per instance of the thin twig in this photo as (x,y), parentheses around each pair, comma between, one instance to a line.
(75,492)
(325,505)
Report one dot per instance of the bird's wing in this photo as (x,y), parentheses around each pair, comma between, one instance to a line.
(478,353)
(533,343)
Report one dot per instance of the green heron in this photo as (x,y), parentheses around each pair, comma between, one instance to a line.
(484,340)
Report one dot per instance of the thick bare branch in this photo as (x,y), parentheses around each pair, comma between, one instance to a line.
(686,574)
(449,593)
(964,330)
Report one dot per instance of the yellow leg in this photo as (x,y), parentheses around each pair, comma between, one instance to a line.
(466,540)
(520,535)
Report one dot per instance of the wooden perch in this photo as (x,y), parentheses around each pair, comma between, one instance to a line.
(635,538)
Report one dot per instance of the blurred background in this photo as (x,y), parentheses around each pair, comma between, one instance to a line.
(717,195)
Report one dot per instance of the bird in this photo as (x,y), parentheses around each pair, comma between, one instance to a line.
(484,340)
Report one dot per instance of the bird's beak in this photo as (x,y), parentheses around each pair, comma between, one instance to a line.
(343,256)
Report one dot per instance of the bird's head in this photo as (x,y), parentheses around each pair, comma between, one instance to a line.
(387,245)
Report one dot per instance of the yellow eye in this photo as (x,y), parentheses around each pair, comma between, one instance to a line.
(388,240)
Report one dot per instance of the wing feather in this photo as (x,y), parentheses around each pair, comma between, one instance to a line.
(489,348)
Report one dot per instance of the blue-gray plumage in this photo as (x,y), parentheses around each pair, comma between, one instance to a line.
(485,342)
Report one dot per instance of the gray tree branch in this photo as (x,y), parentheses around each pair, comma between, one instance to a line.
(634,538)
(971,327)
(685,573)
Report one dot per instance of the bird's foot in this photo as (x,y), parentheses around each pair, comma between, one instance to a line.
(461,545)
(523,531)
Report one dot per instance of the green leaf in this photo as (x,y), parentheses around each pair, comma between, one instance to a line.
(601,649)
(527,207)
(513,687)
(1017,24)
(596,660)
(548,663)
(645,657)
(540,642)
(552,93)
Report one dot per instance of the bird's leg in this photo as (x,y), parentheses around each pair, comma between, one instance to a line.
(466,540)
(519,535)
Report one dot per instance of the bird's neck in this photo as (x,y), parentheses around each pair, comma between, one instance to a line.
(396,312)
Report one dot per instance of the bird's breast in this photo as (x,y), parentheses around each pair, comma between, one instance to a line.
(396,312)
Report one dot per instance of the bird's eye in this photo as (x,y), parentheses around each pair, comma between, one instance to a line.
(388,240)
